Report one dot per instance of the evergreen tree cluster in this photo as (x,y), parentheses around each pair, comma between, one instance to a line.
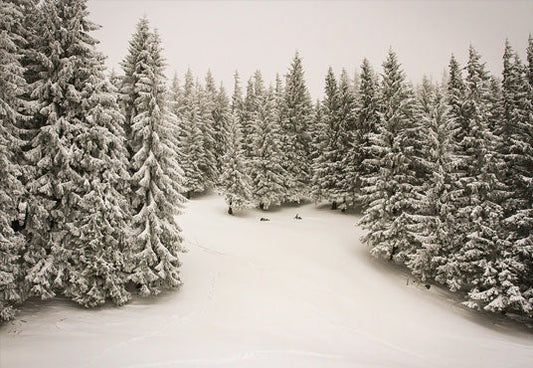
(90,182)
(254,149)
(445,175)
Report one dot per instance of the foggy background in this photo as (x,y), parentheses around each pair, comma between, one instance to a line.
(247,35)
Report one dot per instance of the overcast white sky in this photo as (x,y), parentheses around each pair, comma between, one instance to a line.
(250,35)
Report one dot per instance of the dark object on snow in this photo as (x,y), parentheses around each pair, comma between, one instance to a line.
(428,286)
(297,217)
(264,219)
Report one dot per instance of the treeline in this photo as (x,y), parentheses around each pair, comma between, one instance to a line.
(254,148)
(89,176)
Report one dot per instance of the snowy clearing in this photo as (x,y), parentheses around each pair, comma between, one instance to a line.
(283,293)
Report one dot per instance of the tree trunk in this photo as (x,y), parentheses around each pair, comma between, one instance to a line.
(262,206)
(188,195)
(394,249)
(334,205)
(230,211)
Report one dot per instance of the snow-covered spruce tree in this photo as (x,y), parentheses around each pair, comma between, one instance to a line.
(367,121)
(237,103)
(191,147)
(98,233)
(455,96)
(296,116)
(77,211)
(432,221)
(246,119)
(221,117)
(153,261)
(326,164)
(12,111)
(234,180)
(471,262)
(512,288)
(267,171)
(206,98)
(356,84)
(392,192)
(348,145)
(176,102)
(315,132)
(134,67)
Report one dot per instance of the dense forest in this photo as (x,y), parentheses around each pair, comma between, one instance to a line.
(95,166)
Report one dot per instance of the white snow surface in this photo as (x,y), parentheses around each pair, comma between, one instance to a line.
(283,293)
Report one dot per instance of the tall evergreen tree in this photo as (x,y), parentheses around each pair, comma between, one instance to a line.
(207,98)
(153,262)
(12,112)
(456,95)
(234,181)
(267,171)
(221,117)
(367,121)
(512,288)
(134,67)
(246,120)
(327,163)
(392,192)
(432,221)
(479,216)
(348,145)
(296,115)
(77,211)
(191,146)
(236,99)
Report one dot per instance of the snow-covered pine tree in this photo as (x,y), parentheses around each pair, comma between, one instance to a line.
(325,166)
(356,85)
(392,192)
(316,130)
(176,102)
(207,98)
(367,121)
(221,117)
(432,221)
(267,171)
(98,234)
(191,140)
(471,263)
(296,116)
(455,96)
(347,145)
(247,121)
(76,204)
(234,180)
(513,288)
(153,261)
(12,112)
(134,66)
(176,96)
(237,103)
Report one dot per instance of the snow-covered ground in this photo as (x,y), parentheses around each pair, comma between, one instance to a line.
(283,293)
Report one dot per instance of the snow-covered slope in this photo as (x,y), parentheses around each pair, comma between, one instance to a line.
(283,293)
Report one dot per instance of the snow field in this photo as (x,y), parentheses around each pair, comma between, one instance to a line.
(283,293)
